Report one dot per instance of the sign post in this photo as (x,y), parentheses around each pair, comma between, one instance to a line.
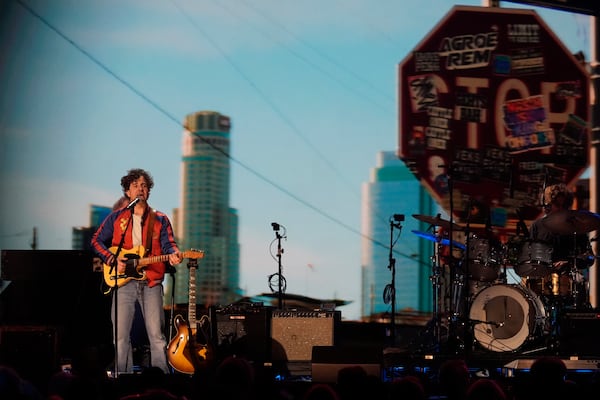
(493,100)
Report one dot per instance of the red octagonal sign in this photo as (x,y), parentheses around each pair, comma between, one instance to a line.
(492,100)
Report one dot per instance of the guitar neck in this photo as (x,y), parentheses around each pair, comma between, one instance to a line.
(165,257)
(192,298)
(153,259)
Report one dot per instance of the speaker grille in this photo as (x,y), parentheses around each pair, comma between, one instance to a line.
(294,333)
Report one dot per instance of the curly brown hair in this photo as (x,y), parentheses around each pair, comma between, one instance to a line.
(135,174)
(559,195)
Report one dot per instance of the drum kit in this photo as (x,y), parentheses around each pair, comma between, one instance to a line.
(475,305)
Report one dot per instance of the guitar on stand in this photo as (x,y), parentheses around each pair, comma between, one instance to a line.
(185,353)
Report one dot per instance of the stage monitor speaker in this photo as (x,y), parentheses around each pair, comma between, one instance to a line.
(241,331)
(295,333)
(327,361)
(579,333)
(56,288)
(31,350)
(524,365)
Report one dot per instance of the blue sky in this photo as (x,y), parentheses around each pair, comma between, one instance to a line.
(310,87)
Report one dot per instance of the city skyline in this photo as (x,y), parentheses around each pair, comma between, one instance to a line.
(94,90)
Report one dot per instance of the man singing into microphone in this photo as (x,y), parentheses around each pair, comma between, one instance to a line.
(138,231)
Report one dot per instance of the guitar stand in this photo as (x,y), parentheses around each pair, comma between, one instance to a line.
(171,270)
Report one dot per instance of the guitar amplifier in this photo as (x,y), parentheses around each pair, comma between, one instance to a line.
(295,333)
(242,331)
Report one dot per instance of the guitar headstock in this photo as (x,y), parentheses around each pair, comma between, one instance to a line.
(193,253)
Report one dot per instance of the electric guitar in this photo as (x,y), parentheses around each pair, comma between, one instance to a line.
(135,265)
(184,353)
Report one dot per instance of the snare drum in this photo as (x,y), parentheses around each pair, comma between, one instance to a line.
(535,259)
(504,317)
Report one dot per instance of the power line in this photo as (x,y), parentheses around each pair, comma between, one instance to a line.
(266,98)
(287,120)
(325,56)
(172,118)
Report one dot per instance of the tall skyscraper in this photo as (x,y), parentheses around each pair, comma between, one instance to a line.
(204,220)
(393,189)
(81,236)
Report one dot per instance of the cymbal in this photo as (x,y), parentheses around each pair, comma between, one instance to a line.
(438,239)
(567,222)
(437,221)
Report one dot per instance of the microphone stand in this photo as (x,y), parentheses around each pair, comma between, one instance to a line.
(280,288)
(392,266)
(114,267)
(281,284)
(278,236)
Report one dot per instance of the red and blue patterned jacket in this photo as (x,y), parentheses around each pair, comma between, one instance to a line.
(111,230)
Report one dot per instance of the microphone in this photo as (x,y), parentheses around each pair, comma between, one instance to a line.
(133,203)
(398,217)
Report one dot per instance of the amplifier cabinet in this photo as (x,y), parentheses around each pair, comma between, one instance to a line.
(242,332)
(579,333)
(295,333)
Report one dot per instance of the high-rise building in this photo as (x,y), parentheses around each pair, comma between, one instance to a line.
(205,221)
(393,190)
(81,236)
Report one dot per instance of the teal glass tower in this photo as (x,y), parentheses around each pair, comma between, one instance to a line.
(205,221)
(393,189)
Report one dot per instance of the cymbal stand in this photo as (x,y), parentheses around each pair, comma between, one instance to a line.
(455,320)
(573,274)
(436,279)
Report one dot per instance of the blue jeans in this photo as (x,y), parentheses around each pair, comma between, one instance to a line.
(151,304)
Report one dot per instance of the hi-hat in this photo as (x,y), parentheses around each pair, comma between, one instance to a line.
(438,239)
(567,222)
(437,221)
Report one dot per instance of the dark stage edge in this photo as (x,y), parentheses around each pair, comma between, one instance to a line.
(504,363)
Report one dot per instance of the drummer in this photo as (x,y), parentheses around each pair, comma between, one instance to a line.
(559,198)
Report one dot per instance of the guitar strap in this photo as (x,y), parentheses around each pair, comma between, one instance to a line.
(149,231)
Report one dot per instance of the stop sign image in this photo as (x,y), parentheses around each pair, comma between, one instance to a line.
(493,107)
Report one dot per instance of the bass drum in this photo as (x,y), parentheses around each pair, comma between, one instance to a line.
(504,317)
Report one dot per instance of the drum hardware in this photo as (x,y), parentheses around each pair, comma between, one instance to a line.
(576,266)
(446,290)
(457,295)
